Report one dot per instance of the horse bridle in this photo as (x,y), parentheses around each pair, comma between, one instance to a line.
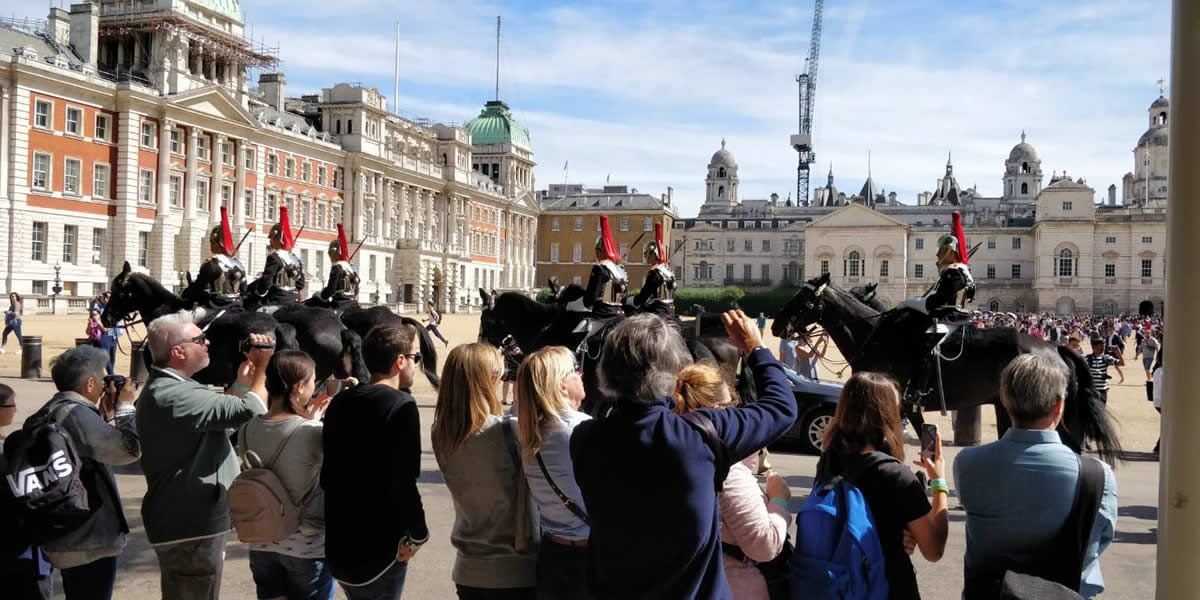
(819,305)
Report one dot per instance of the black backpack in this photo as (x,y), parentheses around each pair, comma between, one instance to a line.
(43,475)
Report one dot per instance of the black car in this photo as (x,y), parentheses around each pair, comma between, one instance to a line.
(816,402)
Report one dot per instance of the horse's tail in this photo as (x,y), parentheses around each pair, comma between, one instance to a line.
(1085,417)
(428,352)
(352,356)
(285,337)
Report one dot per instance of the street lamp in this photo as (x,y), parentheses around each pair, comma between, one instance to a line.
(57,289)
(375,295)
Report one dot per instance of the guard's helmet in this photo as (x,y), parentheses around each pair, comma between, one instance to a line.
(335,250)
(281,232)
(220,239)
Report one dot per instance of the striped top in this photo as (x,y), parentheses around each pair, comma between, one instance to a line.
(1098,365)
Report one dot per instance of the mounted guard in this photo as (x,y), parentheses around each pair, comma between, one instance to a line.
(221,281)
(341,291)
(283,274)
(608,281)
(658,289)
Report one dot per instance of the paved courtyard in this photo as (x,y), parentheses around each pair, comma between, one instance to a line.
(1128,565)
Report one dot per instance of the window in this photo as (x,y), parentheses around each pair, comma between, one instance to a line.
(1110,270)
(1147,239)
(272,205)
(146,186)
(766,272)
(920,243)
(554,224)
(97,245)
(272,163)
(991,243)
(1024,188)
(854,264)
(39,240)
(1110,240)
(102,128)
(321,175)
(227,196)
(39,287)
(553,253)
(174,185)
(289,168)
(729,245)
(74,124)
(337,213)
(824,267)
(729,272)
(143,248)
(176,147)
(994,305)
(227,153)
(305,171)
(100,180)
(624,249)
(371,267)
(919,271)
(70,242)
(323,212)
(749,245)
(148,138)
(883,268)
(577,253)
(202,194)
(766,246)
(991,271)
(1016,243)
(249,157)
(71,169)
(202,147)
(1016,271)
(1147,268)
(647,224)
(42,114)
(624,223)
(1067,204)
(578,224)
(41,172)
(1066,263)
(306,212)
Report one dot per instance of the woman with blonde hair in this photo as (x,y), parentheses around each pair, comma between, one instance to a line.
(754,524)
(549,391)
(865,444)
(476,451)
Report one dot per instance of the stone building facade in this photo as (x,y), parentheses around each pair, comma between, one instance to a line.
(1045,248)
(124,127)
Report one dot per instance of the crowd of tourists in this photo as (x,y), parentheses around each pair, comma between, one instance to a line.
(654,498)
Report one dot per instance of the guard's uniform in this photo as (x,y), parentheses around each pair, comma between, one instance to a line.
(606,289)
(341,291)
(954,289)
(658,290)
(282,278)
(220,283)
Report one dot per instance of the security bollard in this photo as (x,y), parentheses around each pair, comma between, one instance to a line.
(31,357)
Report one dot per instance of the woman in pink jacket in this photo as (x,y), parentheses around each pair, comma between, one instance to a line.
(754,524)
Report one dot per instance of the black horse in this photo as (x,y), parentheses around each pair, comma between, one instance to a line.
(336,350)
(535,325)
(362,320)
(893,342)
(868,295)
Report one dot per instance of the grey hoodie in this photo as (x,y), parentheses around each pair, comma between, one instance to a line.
(99,445)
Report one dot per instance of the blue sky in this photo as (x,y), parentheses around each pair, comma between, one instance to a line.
(645,91)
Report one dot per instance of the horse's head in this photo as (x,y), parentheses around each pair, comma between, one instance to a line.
(869,295)
(123,302)
(803,309)
(492,328)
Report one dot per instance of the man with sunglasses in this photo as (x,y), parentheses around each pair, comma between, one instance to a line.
(187,458)
(374,520)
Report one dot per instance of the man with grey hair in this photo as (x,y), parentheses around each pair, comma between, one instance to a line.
(1028,496)
(189,462)
(84,406)
(649,476)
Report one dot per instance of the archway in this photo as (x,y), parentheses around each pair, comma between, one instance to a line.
(1065,306)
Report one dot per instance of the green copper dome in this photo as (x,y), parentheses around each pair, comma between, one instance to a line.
(228,8)
(496,125)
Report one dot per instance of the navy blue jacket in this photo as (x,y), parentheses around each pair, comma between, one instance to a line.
(647,481)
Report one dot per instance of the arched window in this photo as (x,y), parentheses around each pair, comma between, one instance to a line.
(721,172)
(853,264)
(1162,118)
(1066,263)
(1025,168)
(337,127)
(721,191)
(1024,188)
(1019,307)
(349,127)
(994,305)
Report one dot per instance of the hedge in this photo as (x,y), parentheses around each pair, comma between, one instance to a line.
(768,302)
(712,299)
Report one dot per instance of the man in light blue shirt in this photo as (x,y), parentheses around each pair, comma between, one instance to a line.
(1019,490)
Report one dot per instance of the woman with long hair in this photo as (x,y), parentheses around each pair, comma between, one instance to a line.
(12,321)
(754,524)
(549,391)
(477,454)
(865,444)
(293,568)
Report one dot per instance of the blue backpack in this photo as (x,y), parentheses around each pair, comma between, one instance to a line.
(838,555)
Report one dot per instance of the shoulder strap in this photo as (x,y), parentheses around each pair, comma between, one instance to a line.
(1089,492)
(292,427)
(566,500)
(704,425)
(510,441)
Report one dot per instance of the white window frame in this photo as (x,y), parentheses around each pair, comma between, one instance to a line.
(145,192)
(249,156)
(38,246)
(248,204)
(824,266)
(106,129)
(1147,269)
(98,234)
(272,164)
(203,198)
(149,135)
(920,243)
(766,245)
(49,176)
(175,190)
(227,195)
(202,149)
(176,140)
(272,205)
(648,224)
(1016,243)
(884,267)
(227,153)
(991,243)
(991,271)
(554,225)
(289,168)
(78,176)
(143,256)
(577,253)
(323,215)
(554,252)
(321,174)
(305,170)
(624,223)
(67,121)
(1068,205)
(919,271)
(578,226)
(306,205)
(1015,271)
(1110,270)
(49,114)
(1147,239)
(70,244)
(100,185)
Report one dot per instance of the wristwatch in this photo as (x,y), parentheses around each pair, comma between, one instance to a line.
(411,543)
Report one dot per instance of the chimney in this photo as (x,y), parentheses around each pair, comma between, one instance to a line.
(58,26)
(1112,195)
(774,199)
(271,86)
(85,31)
(670,193)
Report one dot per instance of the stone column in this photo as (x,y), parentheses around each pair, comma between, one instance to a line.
(238,207)
(7,222)
(161,256)
(402,218)
(189,244)
(383,190)
(1179,481)
(217,186)
(164,166)
(427,199)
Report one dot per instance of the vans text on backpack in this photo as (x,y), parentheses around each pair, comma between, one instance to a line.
(43,478)
(838,554)
(260,507)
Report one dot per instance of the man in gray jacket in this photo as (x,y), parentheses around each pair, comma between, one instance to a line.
(83,406)
(189,462)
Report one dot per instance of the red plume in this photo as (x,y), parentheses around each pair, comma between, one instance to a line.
(343,247)
(658,239)
(610,247)
(285,227)
(957,229)
(226,233)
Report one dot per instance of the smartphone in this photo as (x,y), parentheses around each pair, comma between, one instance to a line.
(929,436)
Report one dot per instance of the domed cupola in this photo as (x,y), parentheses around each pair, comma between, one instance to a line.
(497,125)
(721,185)
(1022,173)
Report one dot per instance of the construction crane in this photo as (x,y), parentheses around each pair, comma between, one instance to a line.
(807,81)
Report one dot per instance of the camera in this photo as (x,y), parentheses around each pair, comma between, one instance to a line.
(118,382)
(246,345)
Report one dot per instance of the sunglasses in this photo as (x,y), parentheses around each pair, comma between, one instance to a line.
(200,339)
(413,357)
(8,405)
